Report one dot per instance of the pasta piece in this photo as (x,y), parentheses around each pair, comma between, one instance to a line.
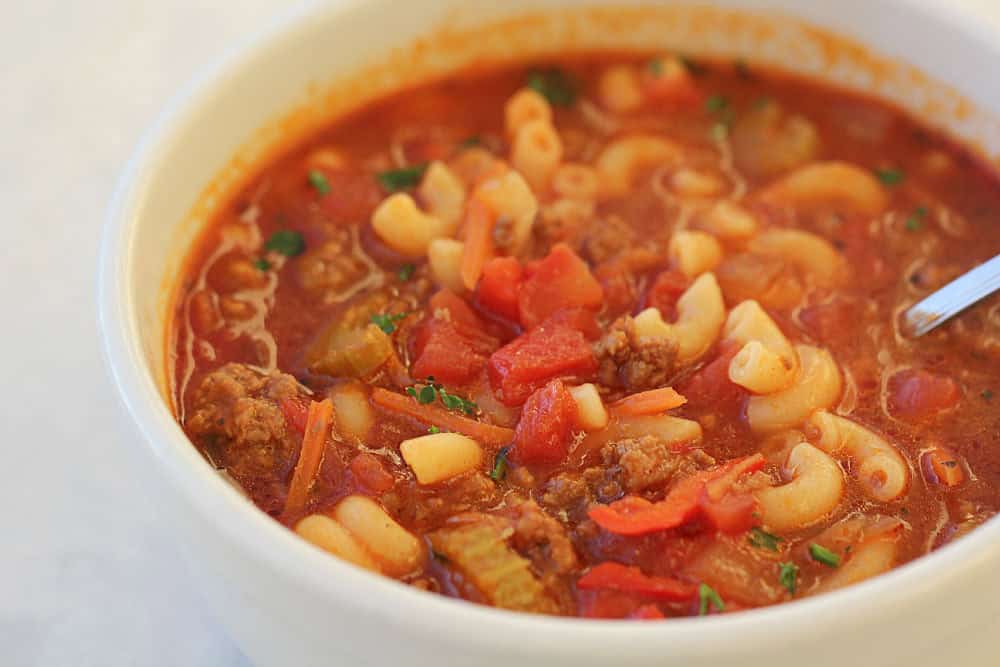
(333,538)
(445,259)
(869,546)
(536,152)
(619,89)
(443,195)
(575,182)
(881,469)
(817,387)
(665,428)
(729,221)
(591,413)
(700,316)
(621,161)
(815,490)
(397,551)
(404,227)
(693,184)
(840,185)
(440,456)
(767,361)
(810,254)
(525,106)
(509,197)
(694,252)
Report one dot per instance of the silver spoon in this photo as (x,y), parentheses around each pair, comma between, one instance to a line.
(952,299)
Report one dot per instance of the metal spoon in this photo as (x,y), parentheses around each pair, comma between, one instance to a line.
(952,299)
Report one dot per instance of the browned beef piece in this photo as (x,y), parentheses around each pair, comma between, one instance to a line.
(235,418)
(648,461)
(628,361)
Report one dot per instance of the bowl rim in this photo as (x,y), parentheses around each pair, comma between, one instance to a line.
(264,539)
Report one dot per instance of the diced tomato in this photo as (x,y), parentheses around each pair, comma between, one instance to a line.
(296,412)
(545,427)
(452,347)
(581,319)
(685,502)
(667,81)
(370,473)
(918,394)
(647,612)
(827,322)
(544,353)
(666,289)
(352,196)
(618,577)
(498,287)
(711,386)
(559,281)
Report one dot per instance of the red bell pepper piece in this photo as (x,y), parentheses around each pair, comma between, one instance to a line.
(618,577)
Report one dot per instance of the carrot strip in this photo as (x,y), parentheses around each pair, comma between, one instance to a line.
(479,221)
(649,402)
(486,434)
(318,424)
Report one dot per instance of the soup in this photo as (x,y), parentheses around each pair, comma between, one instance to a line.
(613,337)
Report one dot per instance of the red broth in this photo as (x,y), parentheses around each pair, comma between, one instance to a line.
(620,186)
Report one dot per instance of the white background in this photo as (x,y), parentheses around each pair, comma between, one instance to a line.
(86,575)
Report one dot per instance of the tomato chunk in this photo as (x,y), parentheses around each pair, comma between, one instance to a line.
(711,386)
(919,394)
(618,577)
(296,412)
(544,353)
(545,427)
(666,289)
(667,81)
(703,494)
(498,287)
(451,343)
(560,280)
(369,471)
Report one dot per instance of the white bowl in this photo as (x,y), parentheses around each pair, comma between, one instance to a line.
(287,603)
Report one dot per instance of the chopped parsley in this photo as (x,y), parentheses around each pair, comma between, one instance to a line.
(655,66)
(404,178)
(262,264)
(706,596)
(387,321)
(405,272)
(318,180)
(716,103)
(719,106)
(915,222)
(824,555)
(286,241)
(432,391)
(788,577)
(764,540)
(987,394)
(554,85)
(433,429)
(499,470)
(890,177)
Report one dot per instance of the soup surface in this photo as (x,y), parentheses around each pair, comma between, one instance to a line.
(614,337)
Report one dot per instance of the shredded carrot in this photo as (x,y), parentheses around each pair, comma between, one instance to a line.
(318,424)
(649,402)
(486,434)
(479,221)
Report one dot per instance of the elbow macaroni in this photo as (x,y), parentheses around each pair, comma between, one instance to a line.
(815,491)
(537,152)
(882,471)
(700,316)
(525,106)
(811,255)
(621,160)
(404,227)
(837,184)
(694,252)
(445,259)
(443,195)
(767,361)
(729,221)
(817,386)
(619,89)
(509,196)
(575,181)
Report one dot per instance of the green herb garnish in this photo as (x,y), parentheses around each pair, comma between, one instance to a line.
(915,222)
(387,321)
(318,180)
(262,264)
(655,66)
(286,241)
(433,391)
(427,395)
(789,577)
(404,178)
(764,540)
(405,272)
(554,85)
(716,103)
(433,429)
(824,555)
(890,177)
(500,465)
(706,596)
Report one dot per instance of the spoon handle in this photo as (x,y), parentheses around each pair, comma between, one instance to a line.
(953,298)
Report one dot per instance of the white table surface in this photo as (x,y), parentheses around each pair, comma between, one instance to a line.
(86,575)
